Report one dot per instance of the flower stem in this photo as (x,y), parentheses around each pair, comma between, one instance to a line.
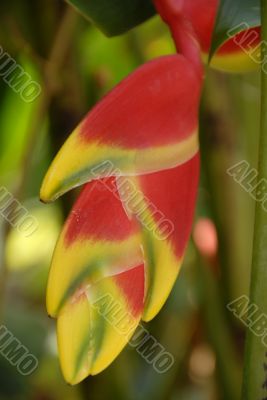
(255,368)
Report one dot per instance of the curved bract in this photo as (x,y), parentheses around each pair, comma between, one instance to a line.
(96,284)
(97,322)
(147,123)
(165,217)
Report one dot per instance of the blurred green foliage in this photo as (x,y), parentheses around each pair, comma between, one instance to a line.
(195,325)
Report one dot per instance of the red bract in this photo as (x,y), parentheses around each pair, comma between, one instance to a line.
(124,241)
(147,123)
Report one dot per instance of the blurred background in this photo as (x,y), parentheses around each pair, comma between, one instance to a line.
(75,64)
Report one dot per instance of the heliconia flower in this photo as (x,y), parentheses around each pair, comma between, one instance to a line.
(239,54)
(122,246)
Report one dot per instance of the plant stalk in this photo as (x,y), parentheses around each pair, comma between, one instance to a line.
(255,366)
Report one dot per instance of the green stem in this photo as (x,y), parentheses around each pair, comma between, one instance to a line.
(255,373)
(218,330)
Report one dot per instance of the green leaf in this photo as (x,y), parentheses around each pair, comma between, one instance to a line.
(114,17)
(232,18)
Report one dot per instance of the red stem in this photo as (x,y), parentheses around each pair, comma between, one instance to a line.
(182,31)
